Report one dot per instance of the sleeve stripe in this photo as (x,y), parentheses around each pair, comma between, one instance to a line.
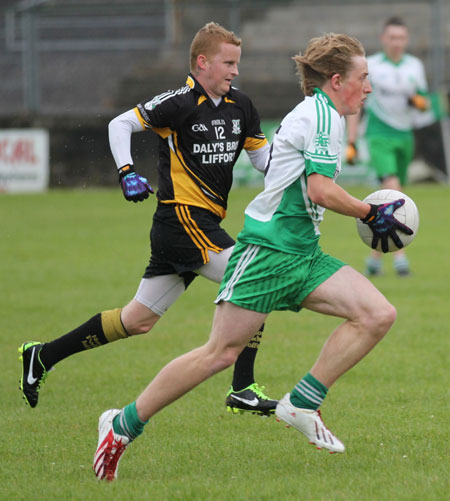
(320,158)
(141,120)
(254,143)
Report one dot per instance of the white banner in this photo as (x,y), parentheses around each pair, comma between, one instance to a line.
(24,160)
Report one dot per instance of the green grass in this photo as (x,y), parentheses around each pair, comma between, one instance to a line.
(67,255)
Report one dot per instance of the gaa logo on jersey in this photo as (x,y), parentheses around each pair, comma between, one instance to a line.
(199,128)
(236,126)
(322,141)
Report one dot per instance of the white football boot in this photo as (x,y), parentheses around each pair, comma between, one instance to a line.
(110,447)
(310,423)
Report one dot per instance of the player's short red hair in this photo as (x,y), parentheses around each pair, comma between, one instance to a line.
(207,41)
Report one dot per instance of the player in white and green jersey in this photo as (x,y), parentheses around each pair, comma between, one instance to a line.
(277,263)
(394,84)
(397,103)
(283,217)
(399,91)
(308,141)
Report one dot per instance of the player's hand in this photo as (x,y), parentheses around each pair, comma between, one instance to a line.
(419,102)
(135,187)
(383,224)
(351,154)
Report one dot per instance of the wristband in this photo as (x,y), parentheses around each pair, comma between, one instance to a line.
(372,214)
(125,170)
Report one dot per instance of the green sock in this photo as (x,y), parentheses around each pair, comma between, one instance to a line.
(308,393)
(401,264)
(128,423)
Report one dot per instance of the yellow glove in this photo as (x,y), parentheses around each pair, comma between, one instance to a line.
(351,153)
(419,102)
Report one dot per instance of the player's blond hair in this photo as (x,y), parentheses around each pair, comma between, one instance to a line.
(207,41)
(324,57)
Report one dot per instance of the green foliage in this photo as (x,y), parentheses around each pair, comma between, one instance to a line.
(67,255)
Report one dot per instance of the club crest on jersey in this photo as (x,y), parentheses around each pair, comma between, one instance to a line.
(236,126)
(322,141)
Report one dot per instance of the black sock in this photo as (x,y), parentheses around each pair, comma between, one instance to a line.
(243,374)
(86,336)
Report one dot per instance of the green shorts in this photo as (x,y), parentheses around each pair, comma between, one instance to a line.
(391,156)
(263,279)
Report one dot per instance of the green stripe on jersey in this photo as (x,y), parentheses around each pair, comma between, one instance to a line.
(293,228)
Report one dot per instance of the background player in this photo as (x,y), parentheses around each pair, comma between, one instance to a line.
(202,128)
(277,263)
(399,95)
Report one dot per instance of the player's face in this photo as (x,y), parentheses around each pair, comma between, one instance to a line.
(220,69)
(394,40)
(355,87)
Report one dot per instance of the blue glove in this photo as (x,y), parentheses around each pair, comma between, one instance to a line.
(383,224)
(135,188)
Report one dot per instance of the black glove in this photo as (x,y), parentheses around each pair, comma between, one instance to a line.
(135,188)
(383,224)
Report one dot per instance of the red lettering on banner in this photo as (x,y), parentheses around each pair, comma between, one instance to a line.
(19,151)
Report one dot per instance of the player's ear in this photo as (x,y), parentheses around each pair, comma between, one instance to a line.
(201,61)
(336,81)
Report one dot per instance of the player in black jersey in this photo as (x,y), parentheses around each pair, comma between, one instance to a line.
(202,128)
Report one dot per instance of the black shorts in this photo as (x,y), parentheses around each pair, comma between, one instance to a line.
(180,238)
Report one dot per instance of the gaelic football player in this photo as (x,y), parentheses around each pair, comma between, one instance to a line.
(202,128)
(277,263)
(398,101)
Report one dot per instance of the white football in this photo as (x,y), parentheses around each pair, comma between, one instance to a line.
(406,214)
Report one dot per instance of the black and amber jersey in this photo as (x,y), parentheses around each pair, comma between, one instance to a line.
(200,143)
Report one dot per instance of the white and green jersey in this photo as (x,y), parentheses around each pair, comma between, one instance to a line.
(308,141)
(392,85)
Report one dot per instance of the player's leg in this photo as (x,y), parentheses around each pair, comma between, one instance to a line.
(232,329)
(245,282)
(38,358)
(373,262)
(349,295)
(400,155)
(405,153)
(244,394)
(152,299)
(383,158)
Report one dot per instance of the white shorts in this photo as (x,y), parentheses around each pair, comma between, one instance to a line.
(159,292)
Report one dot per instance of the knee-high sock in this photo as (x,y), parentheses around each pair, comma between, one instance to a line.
(102,328)
(243,374)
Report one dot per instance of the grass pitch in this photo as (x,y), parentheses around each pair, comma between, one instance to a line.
(67,255)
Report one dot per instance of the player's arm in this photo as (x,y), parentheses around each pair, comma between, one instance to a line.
(320,167)
(419,101)
(323,191)
(380,218)
(351,153)
(255,144)
(119,131)
(259,156)
(135,188)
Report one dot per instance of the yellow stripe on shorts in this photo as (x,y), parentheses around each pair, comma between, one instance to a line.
(199,238)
